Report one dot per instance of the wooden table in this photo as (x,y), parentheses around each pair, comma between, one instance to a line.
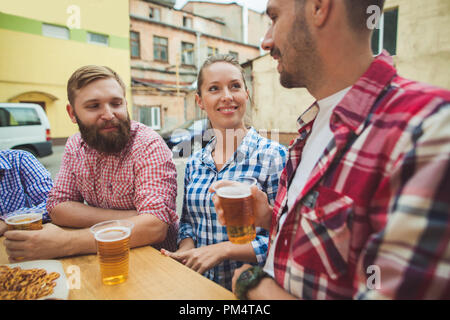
(152,276)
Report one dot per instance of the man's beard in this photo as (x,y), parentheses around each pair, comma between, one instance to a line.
(111,142)
(301,57)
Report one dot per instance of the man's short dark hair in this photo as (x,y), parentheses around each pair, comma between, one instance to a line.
(357,12)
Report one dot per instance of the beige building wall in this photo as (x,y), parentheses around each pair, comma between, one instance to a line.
(423,41)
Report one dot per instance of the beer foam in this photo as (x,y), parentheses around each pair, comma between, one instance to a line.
(23,218)
(234,192)
(112,234)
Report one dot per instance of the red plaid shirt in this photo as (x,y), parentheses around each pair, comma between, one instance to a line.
(373,220)
(142,177)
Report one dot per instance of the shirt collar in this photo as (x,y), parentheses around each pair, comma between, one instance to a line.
(356,105)
(4,162)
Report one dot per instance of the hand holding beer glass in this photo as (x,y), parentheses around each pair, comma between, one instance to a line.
(236,201)
(24,220)
(113,248)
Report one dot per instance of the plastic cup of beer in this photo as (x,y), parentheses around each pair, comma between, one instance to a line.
(113,248)
(237,203)
(31,220)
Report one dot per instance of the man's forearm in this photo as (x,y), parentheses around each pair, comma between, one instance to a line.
(78,215)
(147,230)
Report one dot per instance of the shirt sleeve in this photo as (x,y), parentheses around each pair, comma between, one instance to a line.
(276,163)
(410,258)
(65,188)
(156,182)
(186,224)
(37,183)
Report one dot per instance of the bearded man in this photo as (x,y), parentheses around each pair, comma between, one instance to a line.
(113,168)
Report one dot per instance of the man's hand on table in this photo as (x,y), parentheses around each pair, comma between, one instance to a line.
(36,244)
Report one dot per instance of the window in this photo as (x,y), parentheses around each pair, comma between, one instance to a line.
(160,48)
(150,116)
(187,53)
(52,31)
(18,117)
(212,51)
(154,14)
(385,35)
(97,38)
(234,54)
(187,22)
(135,44)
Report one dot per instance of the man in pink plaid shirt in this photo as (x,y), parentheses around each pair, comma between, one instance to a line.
(363,206)
(113,169)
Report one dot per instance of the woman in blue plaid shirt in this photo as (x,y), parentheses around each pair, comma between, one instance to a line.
(234,150)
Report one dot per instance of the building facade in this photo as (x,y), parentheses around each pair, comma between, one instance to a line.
(167,48)
(44,42)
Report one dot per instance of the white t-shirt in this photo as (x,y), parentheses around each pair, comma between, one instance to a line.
(318,140)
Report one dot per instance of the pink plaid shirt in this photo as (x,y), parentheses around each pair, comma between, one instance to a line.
(373,221)
(142,177)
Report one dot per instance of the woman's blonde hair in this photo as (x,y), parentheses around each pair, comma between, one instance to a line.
(228,58)
(87,74)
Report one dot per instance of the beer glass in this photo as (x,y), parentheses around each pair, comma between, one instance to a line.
(113,248)
(237,203)
(32,220)
(24,220)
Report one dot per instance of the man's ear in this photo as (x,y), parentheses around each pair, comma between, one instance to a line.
(199,101)
(71,113)
(320,11)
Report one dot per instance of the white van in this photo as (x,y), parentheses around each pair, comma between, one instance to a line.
(25,126)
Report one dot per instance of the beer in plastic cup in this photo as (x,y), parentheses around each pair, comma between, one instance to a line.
(237,203)
(25,221)
(113,248)
(31,220)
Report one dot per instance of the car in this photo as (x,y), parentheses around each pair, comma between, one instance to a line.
(187,138)
(25,126)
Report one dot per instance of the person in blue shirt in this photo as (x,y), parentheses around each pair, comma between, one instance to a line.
(24,185)
(235,150)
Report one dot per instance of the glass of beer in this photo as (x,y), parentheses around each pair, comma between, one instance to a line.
(32,220)
(237,203)
(113,248)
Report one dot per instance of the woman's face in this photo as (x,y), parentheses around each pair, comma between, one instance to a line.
(223,96)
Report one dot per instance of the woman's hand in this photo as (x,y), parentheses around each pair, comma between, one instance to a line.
(200,259)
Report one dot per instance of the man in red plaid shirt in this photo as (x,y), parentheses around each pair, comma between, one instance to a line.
(363,207)
(113,169)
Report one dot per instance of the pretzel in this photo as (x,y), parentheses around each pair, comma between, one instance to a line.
(29,284)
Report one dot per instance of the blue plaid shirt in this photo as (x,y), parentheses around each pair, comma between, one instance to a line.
(24,183)
(256,157)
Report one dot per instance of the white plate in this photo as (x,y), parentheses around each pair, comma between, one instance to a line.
(60,291)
